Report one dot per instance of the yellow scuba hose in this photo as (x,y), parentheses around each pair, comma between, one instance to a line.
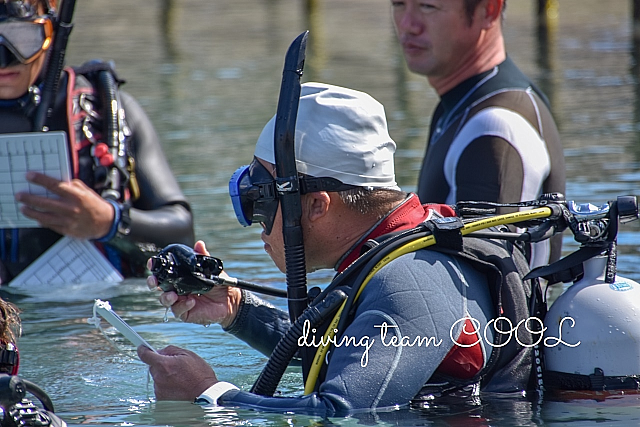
(413,246)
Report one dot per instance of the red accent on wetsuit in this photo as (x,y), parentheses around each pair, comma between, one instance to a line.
(460,362)
(408,215)
(464,362)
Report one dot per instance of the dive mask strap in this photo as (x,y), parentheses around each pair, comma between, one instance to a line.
(312,184)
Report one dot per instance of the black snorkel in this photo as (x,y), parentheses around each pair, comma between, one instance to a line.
(287,183)
(62,29)
(289,192)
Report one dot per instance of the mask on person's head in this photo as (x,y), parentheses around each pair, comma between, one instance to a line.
(24,35)
(254,193)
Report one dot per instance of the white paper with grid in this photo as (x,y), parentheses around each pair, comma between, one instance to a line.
(68,261)
(44,152)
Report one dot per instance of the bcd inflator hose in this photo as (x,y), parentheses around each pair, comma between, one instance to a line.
(284,351)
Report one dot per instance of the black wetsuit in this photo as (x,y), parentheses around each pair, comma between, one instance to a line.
(493,139)
(160,216)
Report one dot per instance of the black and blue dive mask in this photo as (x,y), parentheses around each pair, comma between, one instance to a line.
(24,35)
(254,193)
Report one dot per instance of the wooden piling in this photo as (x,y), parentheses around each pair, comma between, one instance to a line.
(546,32)
(316,47)
(547,12)
(636,19)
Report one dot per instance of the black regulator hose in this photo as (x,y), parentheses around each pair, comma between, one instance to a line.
(40,394)
(323,306)
(287,182)
(13,389)
(111,108)
(356,266)
(288,345)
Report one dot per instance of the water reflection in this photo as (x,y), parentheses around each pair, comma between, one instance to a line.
(208,74)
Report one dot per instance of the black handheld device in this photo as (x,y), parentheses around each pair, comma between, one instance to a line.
(178,268)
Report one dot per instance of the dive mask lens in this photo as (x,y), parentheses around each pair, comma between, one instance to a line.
(18,9)
(253,194)
(26,39)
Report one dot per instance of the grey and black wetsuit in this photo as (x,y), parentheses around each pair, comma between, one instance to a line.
(493,138)
(407,326)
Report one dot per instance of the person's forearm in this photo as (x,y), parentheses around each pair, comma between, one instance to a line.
(163,226)
(259,323)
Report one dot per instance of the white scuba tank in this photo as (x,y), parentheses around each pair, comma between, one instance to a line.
(594,324)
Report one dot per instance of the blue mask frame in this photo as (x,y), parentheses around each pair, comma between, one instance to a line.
(254,194)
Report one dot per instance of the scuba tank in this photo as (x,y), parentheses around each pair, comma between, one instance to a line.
(592,329)
(598,325)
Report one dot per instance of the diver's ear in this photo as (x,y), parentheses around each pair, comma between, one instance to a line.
(491,12)
(316,205)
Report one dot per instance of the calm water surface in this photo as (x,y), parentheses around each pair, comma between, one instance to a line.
(208,73)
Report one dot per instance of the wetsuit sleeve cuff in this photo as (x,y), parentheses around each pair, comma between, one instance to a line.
(210,396)
(238,322)
(117,215)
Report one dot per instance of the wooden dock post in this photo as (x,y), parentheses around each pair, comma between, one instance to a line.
(548,12)
(635,41)
(636,18)
(316,47)
(546,29)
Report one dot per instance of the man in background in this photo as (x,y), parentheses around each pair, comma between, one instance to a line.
(492,136)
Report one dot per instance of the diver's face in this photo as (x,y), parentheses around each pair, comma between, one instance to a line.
(16,78)
(274,241)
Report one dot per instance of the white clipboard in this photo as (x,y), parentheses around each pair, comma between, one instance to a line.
(44,152)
